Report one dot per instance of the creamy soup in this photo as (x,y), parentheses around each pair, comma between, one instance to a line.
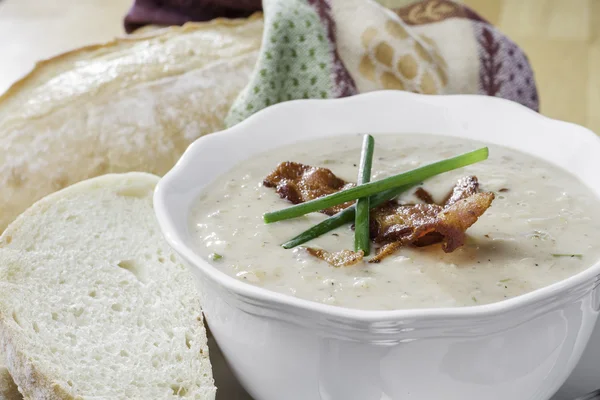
(542,227)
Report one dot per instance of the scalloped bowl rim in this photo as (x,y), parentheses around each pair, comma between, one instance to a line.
(175,238)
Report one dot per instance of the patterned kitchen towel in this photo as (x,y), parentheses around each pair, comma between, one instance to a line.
(337,48)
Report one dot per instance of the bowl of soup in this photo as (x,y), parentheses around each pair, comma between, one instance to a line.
(481,281)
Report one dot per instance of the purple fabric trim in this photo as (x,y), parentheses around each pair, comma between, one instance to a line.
(178,12)
(504,69)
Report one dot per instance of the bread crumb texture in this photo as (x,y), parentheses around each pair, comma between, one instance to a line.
(95,304)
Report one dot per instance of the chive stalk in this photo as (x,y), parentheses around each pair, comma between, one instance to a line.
(343,217)
(368,189)
(361,222)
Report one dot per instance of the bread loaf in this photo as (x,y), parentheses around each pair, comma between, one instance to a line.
(133,104)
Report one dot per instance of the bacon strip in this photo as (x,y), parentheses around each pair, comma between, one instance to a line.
(465,187)
(385,251)
(424,196)
(343,258)
(424,224)
(298,183)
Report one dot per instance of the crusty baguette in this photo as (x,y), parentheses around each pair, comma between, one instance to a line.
(133,104)
(93,302)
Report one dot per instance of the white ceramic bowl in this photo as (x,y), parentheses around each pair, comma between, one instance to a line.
(282,347)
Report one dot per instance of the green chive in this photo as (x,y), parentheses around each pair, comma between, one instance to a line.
(341,218)
(362,241)
(215,257)
(368,189)
(568,255)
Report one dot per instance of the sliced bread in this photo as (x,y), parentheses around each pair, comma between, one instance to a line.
(93,302)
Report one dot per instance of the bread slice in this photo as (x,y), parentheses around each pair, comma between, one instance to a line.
(133,104)
(93,302)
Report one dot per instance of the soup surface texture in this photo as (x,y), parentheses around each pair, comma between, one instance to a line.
(542,227)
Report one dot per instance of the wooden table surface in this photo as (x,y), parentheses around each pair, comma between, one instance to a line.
(561,37)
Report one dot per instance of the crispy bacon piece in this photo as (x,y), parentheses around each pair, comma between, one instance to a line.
(299,183)
(462,215)
(465,187)
(343,258)
(423,224)
(384,251)
(394,222)
(424,196)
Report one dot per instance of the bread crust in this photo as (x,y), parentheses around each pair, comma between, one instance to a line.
(8,389)
(142,34)
(33,383)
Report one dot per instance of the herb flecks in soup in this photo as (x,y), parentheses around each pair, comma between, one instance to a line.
(542,227)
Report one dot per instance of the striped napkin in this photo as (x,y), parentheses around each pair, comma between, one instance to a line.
(337,48)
